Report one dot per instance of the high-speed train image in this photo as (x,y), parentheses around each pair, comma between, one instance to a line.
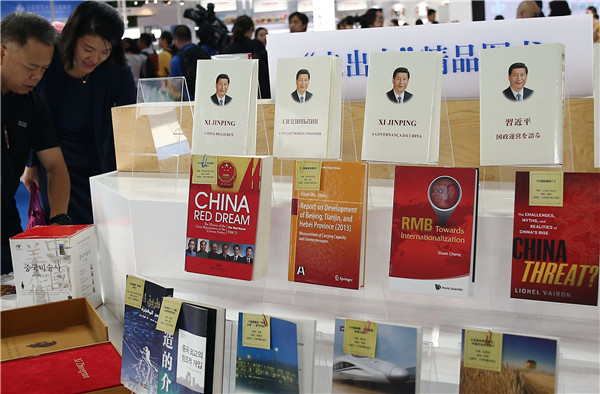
(366,369)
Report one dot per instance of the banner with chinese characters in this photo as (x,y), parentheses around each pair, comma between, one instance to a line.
(459,43)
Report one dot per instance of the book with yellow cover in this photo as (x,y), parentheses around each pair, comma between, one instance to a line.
(327,240)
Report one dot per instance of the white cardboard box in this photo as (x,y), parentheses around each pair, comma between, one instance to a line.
(55,263)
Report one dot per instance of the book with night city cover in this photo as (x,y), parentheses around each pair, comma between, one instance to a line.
(272,370)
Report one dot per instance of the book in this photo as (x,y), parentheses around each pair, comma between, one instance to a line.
(521,93)
(434,222)
(328,227)
(55,263)
(229,216)
(391,365)
(76,370)
(496,361)
(596,105)
(308,108)
(142,346)
(225,107)
(402,108)
(193,352)
(556,237)
(268,356)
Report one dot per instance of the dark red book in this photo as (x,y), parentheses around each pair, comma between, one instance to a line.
(433,230)
(78,370)
(555,251)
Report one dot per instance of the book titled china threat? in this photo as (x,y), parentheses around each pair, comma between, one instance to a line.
(433,230)
(229,213)
(556,237)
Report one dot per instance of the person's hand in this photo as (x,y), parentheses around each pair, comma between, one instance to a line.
(30,176)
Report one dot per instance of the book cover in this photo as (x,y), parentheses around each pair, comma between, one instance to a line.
(185,365)
(55,263)
(521,93)
(502,362)
(394,367)
(142,346)
(308,106)
(225,107)
(77,370)
(402,107)
(272,368)
(433,230)
(556,237)
(327,239)
(229,213)
(596,105)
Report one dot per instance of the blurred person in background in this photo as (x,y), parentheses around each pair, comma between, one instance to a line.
(372,18)
(298,22)
(261,35)
(242,42)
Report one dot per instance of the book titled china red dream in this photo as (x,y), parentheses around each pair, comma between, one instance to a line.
(229,213)
(433,230)
(555,251)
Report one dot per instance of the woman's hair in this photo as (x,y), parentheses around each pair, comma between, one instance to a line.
(258,31)
(95,18)
(369,17)
(242,24)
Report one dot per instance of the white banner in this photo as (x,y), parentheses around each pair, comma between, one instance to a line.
(459,43)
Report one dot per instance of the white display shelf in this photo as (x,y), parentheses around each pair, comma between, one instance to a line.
(141,222)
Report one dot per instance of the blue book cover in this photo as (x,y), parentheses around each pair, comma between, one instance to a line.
(273,370)
(394,369)
(142,345)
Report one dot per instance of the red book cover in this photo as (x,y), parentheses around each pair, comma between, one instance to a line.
(76,370)
(229,216)
(555,251)
(433,230)
(328,228)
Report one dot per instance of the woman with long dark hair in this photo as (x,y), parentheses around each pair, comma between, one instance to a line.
(242,42)
(88,76)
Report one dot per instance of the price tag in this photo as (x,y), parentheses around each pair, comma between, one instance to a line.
(360,337)
(204,169)
(168,315)
(545,189)
(134,291)
(256,331)
(483,350)
(308,175)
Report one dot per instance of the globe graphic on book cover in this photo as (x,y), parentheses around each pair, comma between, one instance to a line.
(444,194)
